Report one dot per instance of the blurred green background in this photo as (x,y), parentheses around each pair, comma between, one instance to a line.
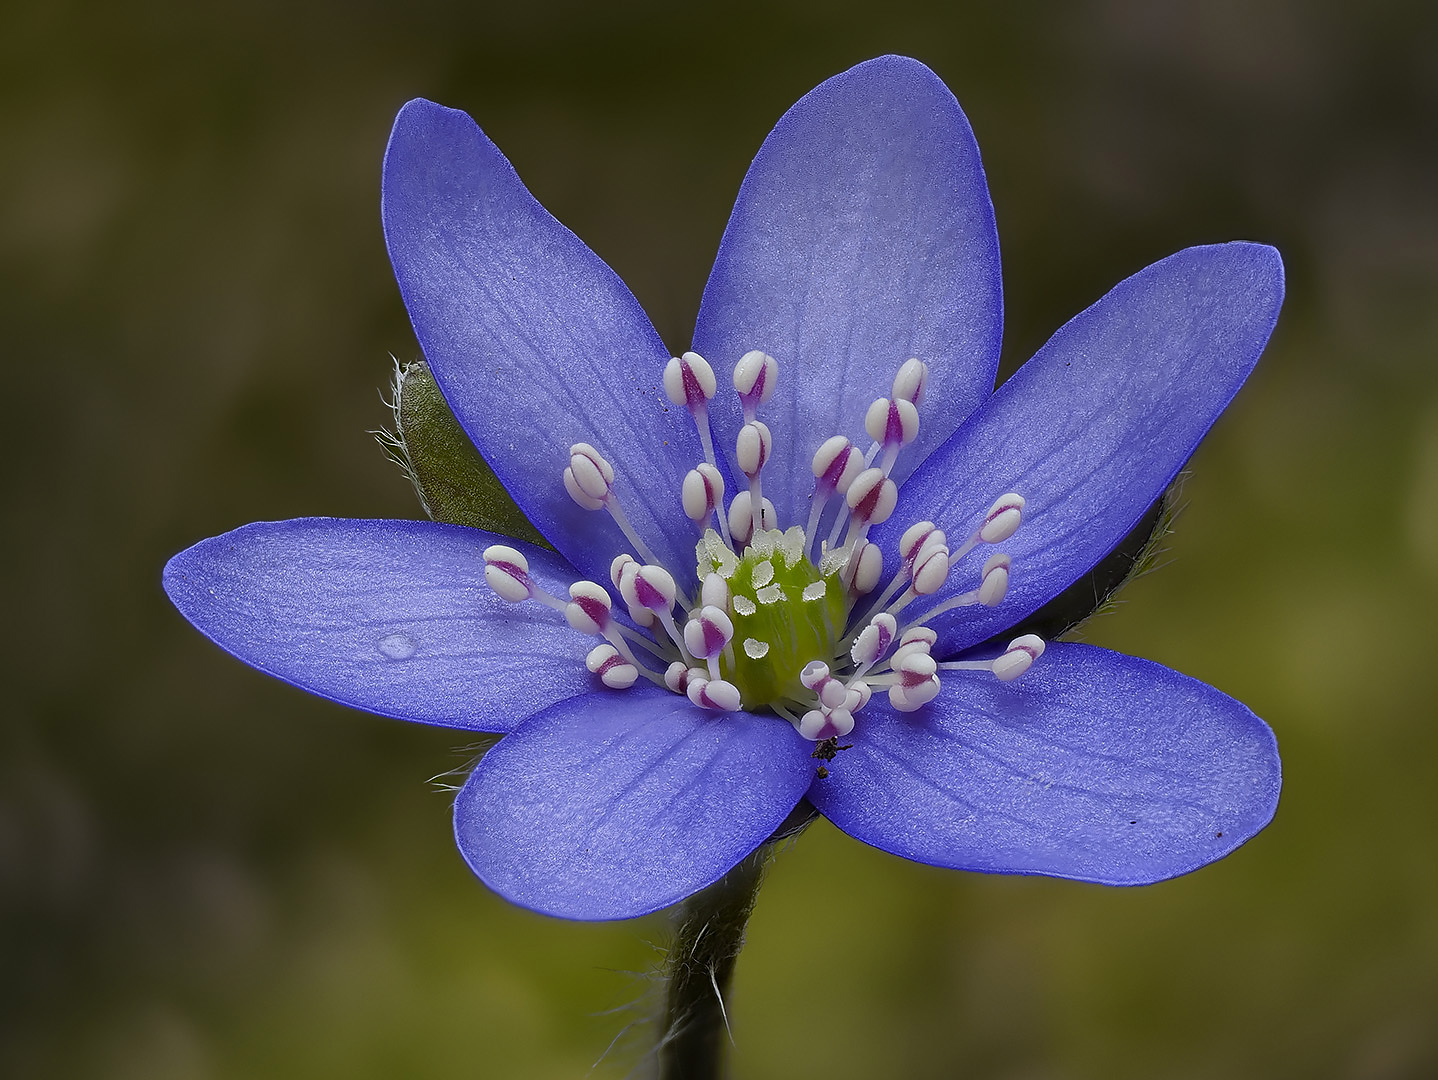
(206,874)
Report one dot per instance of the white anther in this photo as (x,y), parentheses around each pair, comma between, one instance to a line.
(874,640)
(689,381)
(868,564)
(706,634)
(909,383)
(914,664)
(935,541)
(702,491)
(995,584)
(754,377)
(716,694)
(753,447)
(1002,519)
(578,494)
(1018,657)
(832,693)
(909,698)
(744,606)
(755,649)
(871,497)
(919,635)
(892,422)
(904,652)
(914,537)
(836,463)
(618,566)
(592,474)
(588,607)
(677,676)
(931,570)
(714,592)
(818,724)
(650,587)
(812,723)
(613,670)
(842,721)
(859,694)
(741,516)
(813,673)
(506,571)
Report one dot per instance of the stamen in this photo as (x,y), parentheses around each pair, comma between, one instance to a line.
(689,381)
(911,380)
(506,571)
(993,587)
(832,693)
(836,463)
(917,681)
(714,592)
(678,675)
(613,670)
(623,567)
(706,634)
(995,583)
(1014,661)
(871,499)
(999,524)
(741,517)
(755,376)
(651,588)
(816,725)
(866,563)
(703,494)
(590,473)
(589,479)
(873,642)
(589,612)
(892,424)
(715,694)
(752,449)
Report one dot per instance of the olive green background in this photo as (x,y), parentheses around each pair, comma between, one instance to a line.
(204,873)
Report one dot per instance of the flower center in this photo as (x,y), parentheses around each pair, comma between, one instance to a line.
(783,611)
(780,621)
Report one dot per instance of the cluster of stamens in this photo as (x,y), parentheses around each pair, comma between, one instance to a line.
(784,620)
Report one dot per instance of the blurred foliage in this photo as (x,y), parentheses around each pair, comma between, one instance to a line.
(205,874)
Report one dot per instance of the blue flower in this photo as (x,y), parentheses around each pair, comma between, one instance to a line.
(657,731)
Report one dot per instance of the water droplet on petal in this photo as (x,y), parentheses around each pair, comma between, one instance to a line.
(397,646)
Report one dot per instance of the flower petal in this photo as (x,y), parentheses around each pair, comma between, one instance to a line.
(863,235)
(389,616)
(618,804)
(535,342)
(1094,766)
(1094,428)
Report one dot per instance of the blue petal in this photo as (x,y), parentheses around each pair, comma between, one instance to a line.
(863,235)
(618,804)
(1093,766)
(1095,427)
(535,342)
(389,616)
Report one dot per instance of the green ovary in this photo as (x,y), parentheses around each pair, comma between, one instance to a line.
(780,600)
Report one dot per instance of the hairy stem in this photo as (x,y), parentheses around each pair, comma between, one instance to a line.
(709,933)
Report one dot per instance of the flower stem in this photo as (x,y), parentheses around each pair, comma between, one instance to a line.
(709,932)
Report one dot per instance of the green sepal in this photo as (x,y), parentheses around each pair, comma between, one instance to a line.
(453,483)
